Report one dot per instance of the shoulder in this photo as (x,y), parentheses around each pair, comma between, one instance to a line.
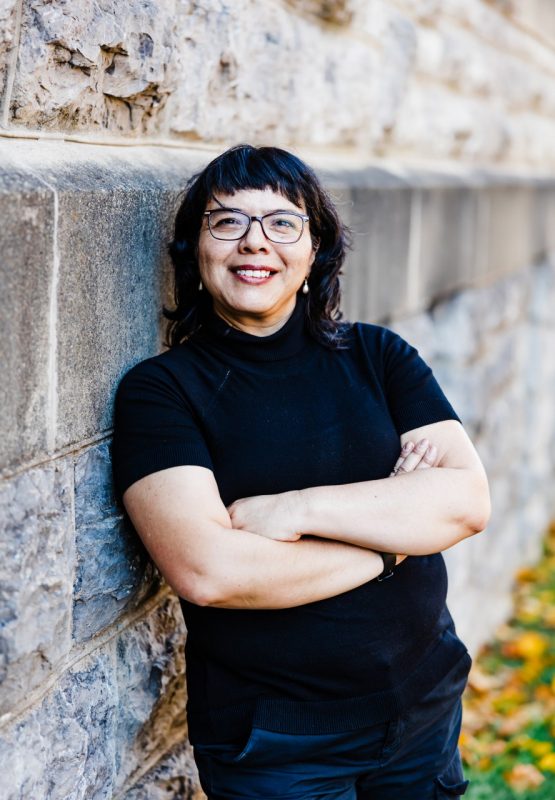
(379,338)
(171,369)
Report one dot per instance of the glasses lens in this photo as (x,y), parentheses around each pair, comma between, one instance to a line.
(283,227)
(228,224)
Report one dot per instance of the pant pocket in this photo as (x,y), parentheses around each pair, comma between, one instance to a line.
(451,783)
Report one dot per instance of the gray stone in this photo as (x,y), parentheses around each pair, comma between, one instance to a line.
(175,776)
(447,236)
(64,747)
(94,489)
(36,577)
(111,282)
(377,271)
(26,241)
(511,232)
(8,17)
(113,573)
(150,669)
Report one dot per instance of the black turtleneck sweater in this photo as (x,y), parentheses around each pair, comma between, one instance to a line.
(270,414)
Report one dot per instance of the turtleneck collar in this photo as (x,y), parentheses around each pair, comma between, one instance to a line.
(286,342)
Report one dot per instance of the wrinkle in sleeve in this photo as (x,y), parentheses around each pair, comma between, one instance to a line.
(154,427)
(413,394)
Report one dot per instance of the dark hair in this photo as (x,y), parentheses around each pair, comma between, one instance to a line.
(248,167)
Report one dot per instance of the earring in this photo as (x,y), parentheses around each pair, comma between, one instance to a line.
(200,287)
(305,286)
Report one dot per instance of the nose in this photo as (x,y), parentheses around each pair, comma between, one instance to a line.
(254,239)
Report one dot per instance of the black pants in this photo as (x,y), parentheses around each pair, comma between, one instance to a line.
(412,757)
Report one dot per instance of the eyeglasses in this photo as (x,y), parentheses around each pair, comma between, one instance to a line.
(282,227)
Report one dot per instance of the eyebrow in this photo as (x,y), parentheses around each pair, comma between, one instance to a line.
(274,211)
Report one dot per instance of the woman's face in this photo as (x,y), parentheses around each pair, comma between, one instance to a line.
(254,302)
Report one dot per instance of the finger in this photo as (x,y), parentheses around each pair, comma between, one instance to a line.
(413,459)
(406,449)
(429,458)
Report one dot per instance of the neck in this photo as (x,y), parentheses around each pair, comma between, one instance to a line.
(248,323)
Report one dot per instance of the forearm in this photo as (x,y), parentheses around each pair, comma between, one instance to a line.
(421,512)
(255,572)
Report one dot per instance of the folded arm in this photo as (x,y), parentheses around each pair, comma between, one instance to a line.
(207,563)
(421,512)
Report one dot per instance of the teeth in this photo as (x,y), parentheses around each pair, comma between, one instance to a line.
(254,273)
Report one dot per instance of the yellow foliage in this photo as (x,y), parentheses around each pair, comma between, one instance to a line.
(547,763)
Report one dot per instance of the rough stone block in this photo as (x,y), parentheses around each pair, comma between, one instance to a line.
(64,748)
(438,124)
(175,776)
(36,577)
(26,241)
(8,15)
(150,670)
(95,66)
(94,490)
(274,89)
(111,282)
(114,216)
(113,573)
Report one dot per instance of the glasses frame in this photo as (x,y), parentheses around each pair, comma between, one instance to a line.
(303,217)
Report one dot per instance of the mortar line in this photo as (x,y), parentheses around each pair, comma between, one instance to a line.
(12,66)
(82,651)
(146,766)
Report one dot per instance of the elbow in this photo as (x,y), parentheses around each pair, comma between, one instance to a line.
(200,590)
(479,507)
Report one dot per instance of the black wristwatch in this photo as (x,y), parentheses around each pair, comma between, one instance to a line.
(389,561)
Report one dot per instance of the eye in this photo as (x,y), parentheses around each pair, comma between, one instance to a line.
(227,221)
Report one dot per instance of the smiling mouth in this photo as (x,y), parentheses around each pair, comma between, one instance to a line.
(254,272)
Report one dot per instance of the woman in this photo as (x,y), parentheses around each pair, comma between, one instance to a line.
(255,459)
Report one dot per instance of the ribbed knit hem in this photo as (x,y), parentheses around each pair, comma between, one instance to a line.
(329,716)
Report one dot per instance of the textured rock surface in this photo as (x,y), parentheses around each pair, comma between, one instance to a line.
(95,65)
(150,674)
(491,351)
(113,571)
(8,16)
(469,80)
(64,748)
(36,577)
(27,213)
(108,716)
(175,776)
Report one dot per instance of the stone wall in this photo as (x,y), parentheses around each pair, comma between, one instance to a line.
(432,124)
(434,79)
(92,694)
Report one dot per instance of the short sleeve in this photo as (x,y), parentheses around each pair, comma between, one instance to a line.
(154,426)
(413,394)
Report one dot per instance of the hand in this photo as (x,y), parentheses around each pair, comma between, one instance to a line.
(269,515)
(419,456)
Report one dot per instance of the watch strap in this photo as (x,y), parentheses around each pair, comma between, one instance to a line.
(389,562)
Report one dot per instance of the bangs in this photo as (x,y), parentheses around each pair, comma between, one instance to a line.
(246,167)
